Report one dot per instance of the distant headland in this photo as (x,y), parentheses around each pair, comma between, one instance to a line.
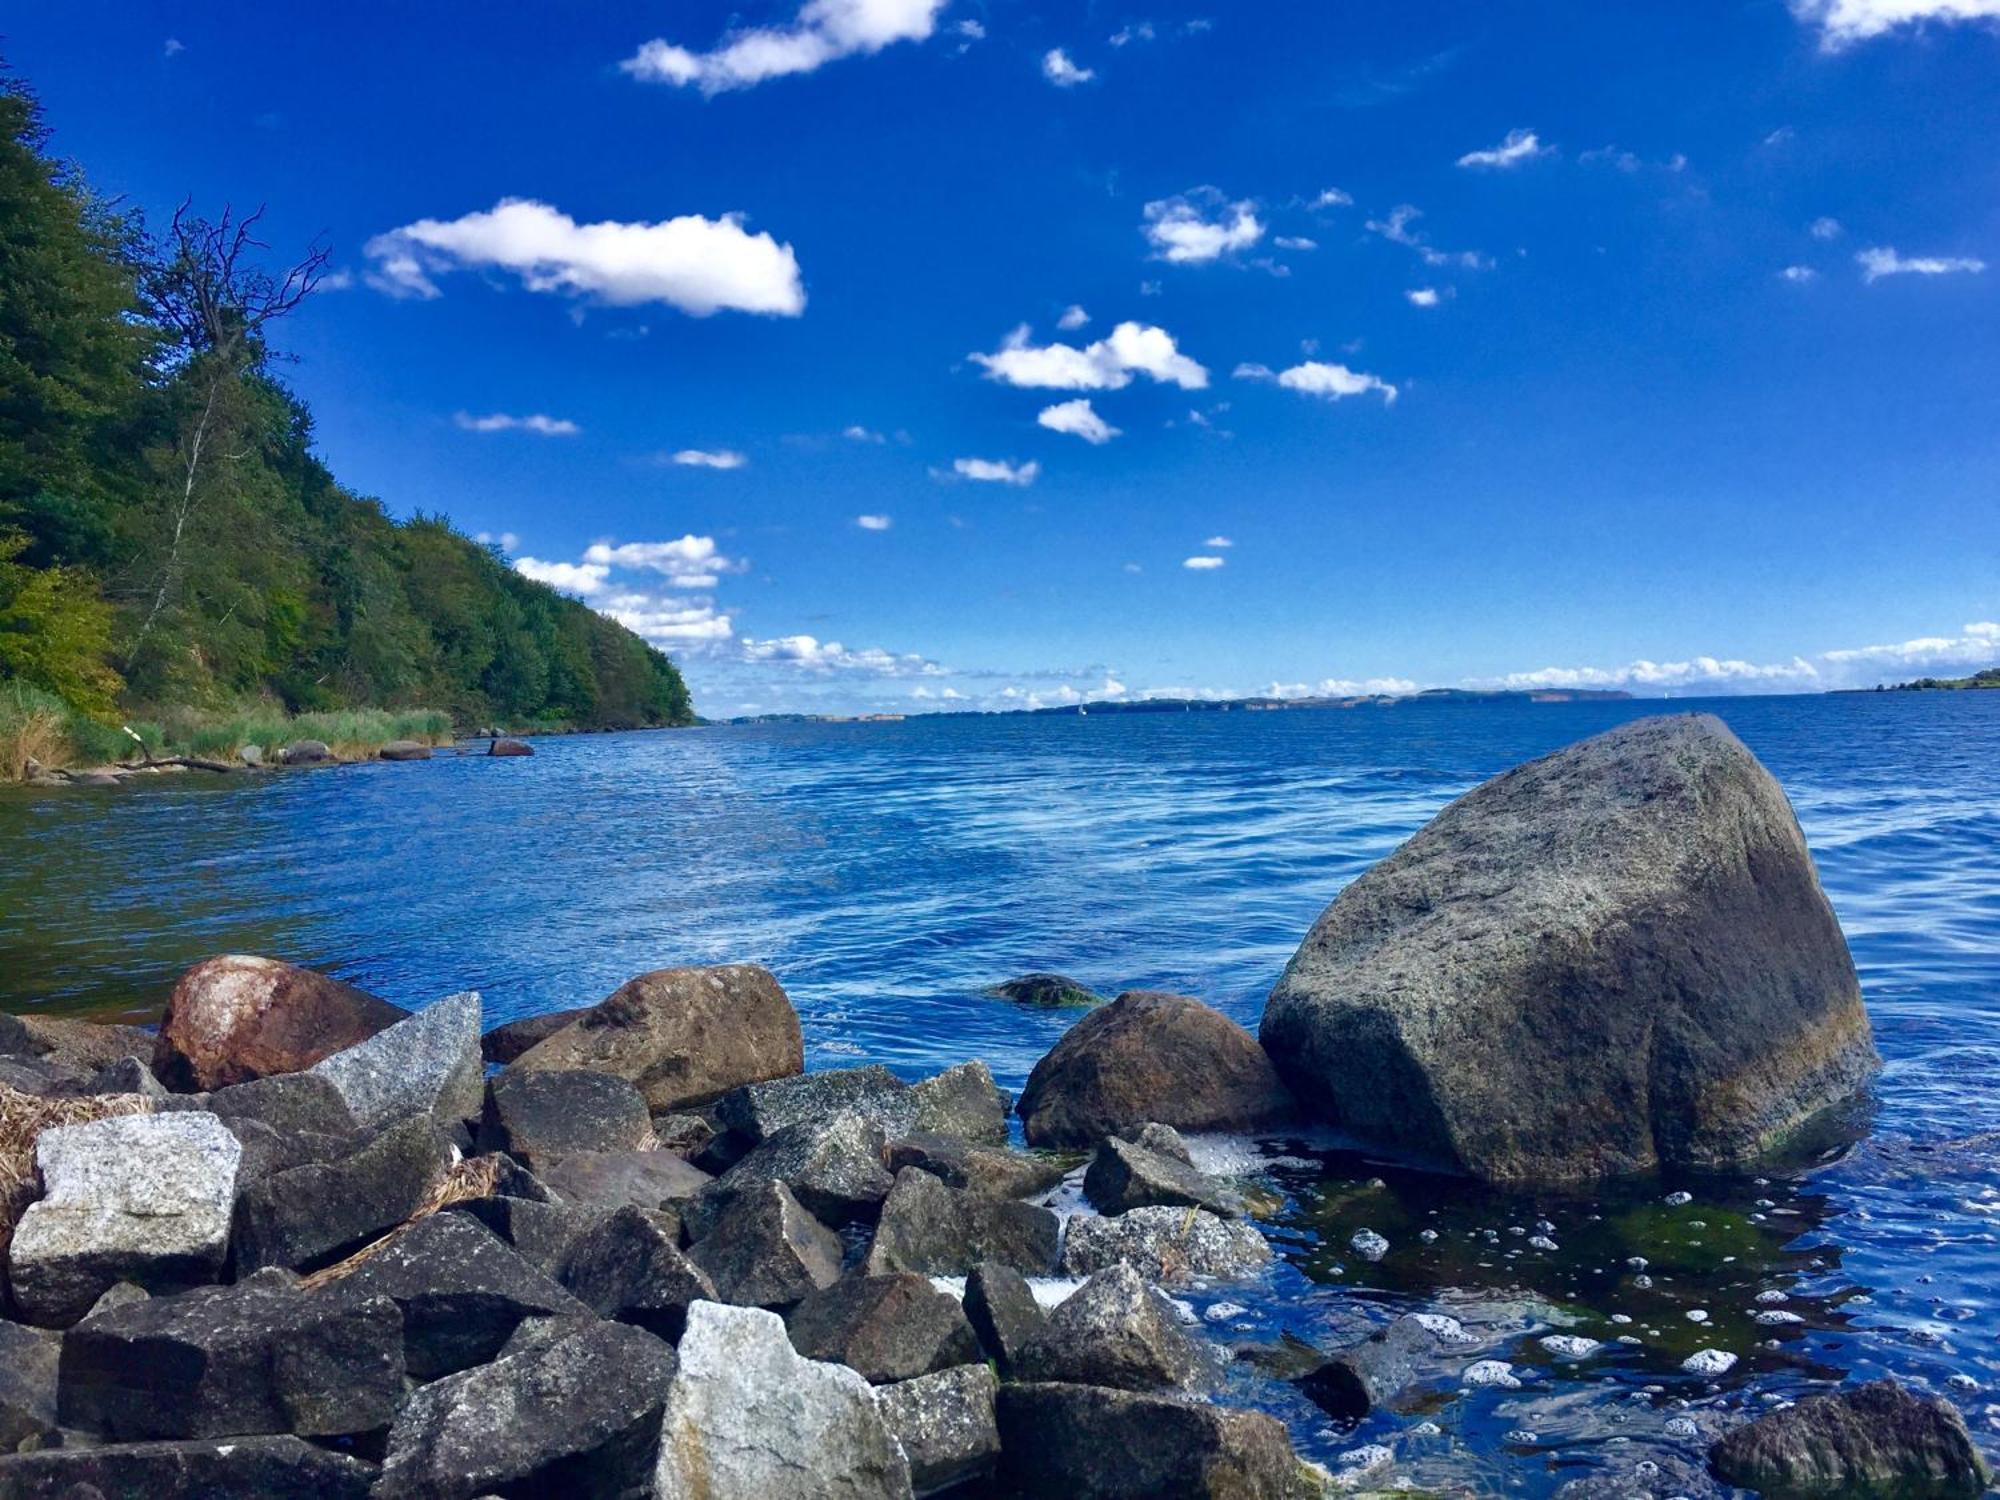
(1229,705)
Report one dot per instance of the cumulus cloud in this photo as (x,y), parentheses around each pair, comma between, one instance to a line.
(1218,542)
(1073,318)
(1396,229)
(704,458)
(670,622)
(1107,365)
(1976,644)
(1204,563)
(1295,242)
(1343,687)
(1195,228)
(571,578)
(1062,72)
(1883,260)
(996,470)
(809,653)
(696,264)
(500,422)
(873,523)
(1696,671)
(1843,22)
(1330,198)
(506,541)
(1799,273)
(1520,146)
(1314,377)
(1079,420)
(1423,296)
(687,562)
(823,32)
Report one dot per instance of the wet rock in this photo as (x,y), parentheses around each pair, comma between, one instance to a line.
(1383,1370)
(1165,1245)
(306,753)
(605,1180)
(748,1418)
(1114,1330)
(313,1215)
(946,1425)
(429,1064)
(1612,959)
(816,1100)
(540,1233)
(883,1327)
(629,1266)
(936,1230)
(1125,1176)
(683,1036)
(835,1171)
(992,1170)
(141,1198)
(239,1468)
(578,1414)
(260,1356)
(1001,1307)
(462,1292)
(963,1102)
(234,1018)
(1089,1443)
(1145,1057)
(768,1251)
(510,1039)
(403,750)
(536,1116)
(1653,1476)
(506,747)
(27,1385)
(1877,1440)
(1047,992)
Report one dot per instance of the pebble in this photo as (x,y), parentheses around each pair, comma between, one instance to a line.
(1369,1245)
(1709,1362)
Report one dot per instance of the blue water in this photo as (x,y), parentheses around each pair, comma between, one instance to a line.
(889,872)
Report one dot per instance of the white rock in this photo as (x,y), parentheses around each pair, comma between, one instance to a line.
(429,1064)
(1709,1362)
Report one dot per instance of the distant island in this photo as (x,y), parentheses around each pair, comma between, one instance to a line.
(1228,705)
(1990,678)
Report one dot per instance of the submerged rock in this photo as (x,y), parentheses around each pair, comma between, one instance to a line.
(883,1327)
(942,1231)
(1114,1330)
(237,1017)
(1146,1057)
(1088,1443)
(505,747)
(429,1064)
(1047,992)
(1612,959)
(1166,1245)
(236,1468)
(946,1425)
(1879,1440)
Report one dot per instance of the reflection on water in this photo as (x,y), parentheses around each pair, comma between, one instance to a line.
(889,873)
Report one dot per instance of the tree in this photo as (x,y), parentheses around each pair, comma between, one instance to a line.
(55,631)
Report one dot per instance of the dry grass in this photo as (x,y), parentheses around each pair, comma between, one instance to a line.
(23,1117)
(474,1177)
(36,734)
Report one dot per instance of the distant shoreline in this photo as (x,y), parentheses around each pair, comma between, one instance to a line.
(1221,705)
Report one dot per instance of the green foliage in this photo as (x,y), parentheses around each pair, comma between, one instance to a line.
(1989,678)
(55,631)
(37,725)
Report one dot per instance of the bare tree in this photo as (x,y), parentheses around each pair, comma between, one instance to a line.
(206,288)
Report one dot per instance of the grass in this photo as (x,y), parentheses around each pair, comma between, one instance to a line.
(23,1117)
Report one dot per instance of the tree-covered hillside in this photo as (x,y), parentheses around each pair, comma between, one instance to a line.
(168,538)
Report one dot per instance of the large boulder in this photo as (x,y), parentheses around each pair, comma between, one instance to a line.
(605,1180)
(1115,1330)
(884,1327)
(767,1250)
(542,1115)
(1164,1245)
(683,1036)
(936,1230)
(1150,1056)
(758,1111)
(142,1198)
(510,1039)
(836,1173)
(313,1215)
(1090,1443)
(1612,959)
(429,1064)
(237,1017)
(237,1468)
(992,1170)
(749,1418)
(945,1423)
(629,1266)
(1879,1440)
(962,1102)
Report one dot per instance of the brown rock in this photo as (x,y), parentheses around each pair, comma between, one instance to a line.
(237,1017)
(510,747)
(510,1039)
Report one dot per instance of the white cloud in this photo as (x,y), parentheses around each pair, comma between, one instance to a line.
(1884,261)
(1520,146)
(1318,378)
(1799,273)
(1132,31)
(688,562)
(1824,228)
(671,622)
(873,523)
(1343,687)
(1844,22)
(1396,229)
(1078,419)
(1330,198)
(996,470)
(1107,365)
(696,264)
(1295,242)
(174,45)
(571,578)
(1073,318)
(825,31)
(812,654)
(860,434)
(1133,568)
(1423,296)
(1697,671)
(1218,542)
(971,30)
(1197,227)
(499,422)
(1063,73)
(1203,564)
(1976,644)
(703,458)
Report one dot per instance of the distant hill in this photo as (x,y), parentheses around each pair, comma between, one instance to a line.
(1430,696)
(1990,678)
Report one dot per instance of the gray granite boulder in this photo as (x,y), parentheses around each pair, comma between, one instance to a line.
(236,1468)
(1124,1176)
(27,1385)
(538,1116)
(883,1327)
(1166,1245)
(313,1215)
(573,1414)
(141,1198)
(937,1230)
(307,753)
(1877,1440)
(604,1180)
(1115,1330)
(748,1418)
(629,1266)
(946,1425)
(963,1102)
(293,1104)
(1085,1442)
(1001,1307)
(835,1170)
(992,1170)
(1612,959)
(429,1064)
(767,1250)
(758,1111)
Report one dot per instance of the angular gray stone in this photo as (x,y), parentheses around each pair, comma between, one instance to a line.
(1165,1245)
(760,1110)
(748,1418)
(963,1102)
(87,1045)
(883,1327)
(946,1425)
(1163,1139)
(1001,1307)
(538,1116)
(1877,1440)
(314,1215)
(141,1198)
(462,1292)
(1115,1330)
(768,1251)
(992,1170)
(27,1384)
(429,1064)
(936,1230)
(604,1180)
(629,1266)
(129,1076)
(237,1468)
(290,1103)
(834,1169)
(1611,959)
(258,1357)
(1392,1368)
(540,1233)
(1090,1443)
(1124,1176)
(577,1414)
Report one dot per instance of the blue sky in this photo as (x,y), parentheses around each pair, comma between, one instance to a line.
(897,354)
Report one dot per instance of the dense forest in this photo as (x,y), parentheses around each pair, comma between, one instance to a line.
(169,539)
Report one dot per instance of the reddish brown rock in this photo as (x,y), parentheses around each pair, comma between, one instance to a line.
(237,1017)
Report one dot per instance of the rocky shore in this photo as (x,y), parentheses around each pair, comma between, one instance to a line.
(299,1241)
(299,755)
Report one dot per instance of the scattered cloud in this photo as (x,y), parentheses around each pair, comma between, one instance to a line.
(1883,260)
(996,470)
(824,32)
(1194,228)
(860,434)
(1344,687)
(1106,365)
(173,46)
(1613,156)
(1295,242)
(687,562)
(1203,564)
(538,424)
(1073,318)
(670,622)
(506,541)
(572,578)
(1062,72)
(1844,22)
(1799,274)
(1423,296)
(1520,146)
(1330,198)
(1315,377)
(1215,543)
(698,265)
(1079,420)
(1133,31)
(873,523)
(811,654)
(1824,228)
(1396,229)
(971,30)
(703,458)
(1976,644)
